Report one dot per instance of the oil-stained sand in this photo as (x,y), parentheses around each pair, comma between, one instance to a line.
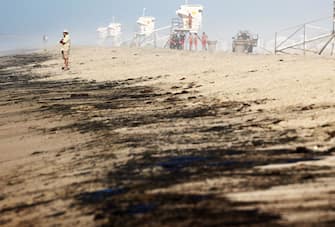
(123,153)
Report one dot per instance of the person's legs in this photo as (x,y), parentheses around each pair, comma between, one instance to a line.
(66,60)
(67,63)
(204,46)
(63,56)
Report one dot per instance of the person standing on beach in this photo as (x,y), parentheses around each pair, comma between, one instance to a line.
(190,21)
(195,41)
(190,39)
(182,40)
(204,40)
(65,50)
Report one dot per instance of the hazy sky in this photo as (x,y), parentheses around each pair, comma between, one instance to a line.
(28,20)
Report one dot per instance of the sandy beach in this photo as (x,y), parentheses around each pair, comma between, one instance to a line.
(155,137)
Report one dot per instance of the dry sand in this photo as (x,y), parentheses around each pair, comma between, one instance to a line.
(140,137)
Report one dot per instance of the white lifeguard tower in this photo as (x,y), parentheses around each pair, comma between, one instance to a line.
(188,22)
(146,25)
(191,17)
(114,29)
(112,32)
(115,32)
(145,34)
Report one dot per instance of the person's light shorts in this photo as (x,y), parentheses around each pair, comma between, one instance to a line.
(65,54)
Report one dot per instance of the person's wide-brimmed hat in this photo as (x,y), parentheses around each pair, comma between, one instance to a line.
(66,31)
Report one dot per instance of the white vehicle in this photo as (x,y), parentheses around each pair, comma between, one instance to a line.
(191,16)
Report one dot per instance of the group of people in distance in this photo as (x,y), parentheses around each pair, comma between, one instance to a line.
(193,41)
(178,41)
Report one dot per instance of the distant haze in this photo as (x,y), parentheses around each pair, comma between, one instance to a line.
(23,22)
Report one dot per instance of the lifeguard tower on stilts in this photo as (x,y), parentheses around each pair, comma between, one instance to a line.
(189,21)
(147,34)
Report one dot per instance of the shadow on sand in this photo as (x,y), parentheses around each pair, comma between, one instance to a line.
(169,139)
